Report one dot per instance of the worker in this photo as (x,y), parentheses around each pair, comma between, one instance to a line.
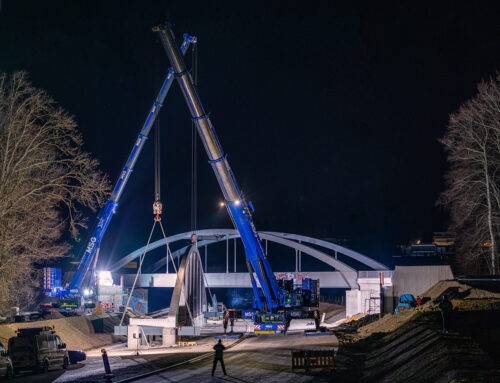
(419,301)
(445,306)
(219,349)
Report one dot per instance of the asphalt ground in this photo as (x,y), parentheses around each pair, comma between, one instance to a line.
(263,359)
(40,377)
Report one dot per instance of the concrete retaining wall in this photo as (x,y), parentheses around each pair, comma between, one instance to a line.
(418,279)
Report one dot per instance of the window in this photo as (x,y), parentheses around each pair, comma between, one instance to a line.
(51,342)
(42,342)
(269,319)
(22,344)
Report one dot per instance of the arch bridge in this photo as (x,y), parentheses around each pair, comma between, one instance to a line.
(343,276)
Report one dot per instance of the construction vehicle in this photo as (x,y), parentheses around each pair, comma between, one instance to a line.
(240,210)
(86,267)
(37,348)
(216,311)
(275,297)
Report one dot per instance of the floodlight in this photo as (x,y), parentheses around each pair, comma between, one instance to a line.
(105,278)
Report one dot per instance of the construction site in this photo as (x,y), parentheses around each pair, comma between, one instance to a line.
(409,346)
(227,300)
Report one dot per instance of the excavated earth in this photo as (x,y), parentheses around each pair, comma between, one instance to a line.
(78,332)
(411,346)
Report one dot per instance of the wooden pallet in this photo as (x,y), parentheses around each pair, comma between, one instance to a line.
(307,359)
(186,344)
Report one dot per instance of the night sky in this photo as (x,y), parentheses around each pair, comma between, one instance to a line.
(330,113)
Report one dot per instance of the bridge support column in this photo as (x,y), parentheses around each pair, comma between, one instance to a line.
(168,336)
(134,337)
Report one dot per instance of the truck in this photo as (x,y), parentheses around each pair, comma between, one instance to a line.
(37,349)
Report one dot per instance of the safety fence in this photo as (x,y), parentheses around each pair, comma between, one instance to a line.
(307,359)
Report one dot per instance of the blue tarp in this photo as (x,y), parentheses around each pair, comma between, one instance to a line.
(407,298)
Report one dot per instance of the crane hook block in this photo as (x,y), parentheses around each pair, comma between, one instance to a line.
(157,208)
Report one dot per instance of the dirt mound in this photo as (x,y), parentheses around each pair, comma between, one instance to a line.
(389,322)
(410,346)
(463,298)
(458,290)
(77,332)
(416,352)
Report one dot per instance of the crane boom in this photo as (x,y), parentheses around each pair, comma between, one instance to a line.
(109,208)
(239,209)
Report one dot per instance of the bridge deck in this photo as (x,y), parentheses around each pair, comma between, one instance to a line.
(328,279)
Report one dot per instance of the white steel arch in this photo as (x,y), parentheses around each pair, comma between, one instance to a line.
(210,236)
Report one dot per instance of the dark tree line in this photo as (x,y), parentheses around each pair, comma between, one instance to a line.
(472,144)
(45,179)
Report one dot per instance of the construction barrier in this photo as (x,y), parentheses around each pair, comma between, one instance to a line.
(317,333)
(312,359)
(232,336)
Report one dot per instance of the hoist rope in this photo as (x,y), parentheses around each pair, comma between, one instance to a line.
(140,267)
(194,160)
(157,158)
(194,148)
(138,272)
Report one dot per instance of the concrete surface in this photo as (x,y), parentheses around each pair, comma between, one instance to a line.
(256,359)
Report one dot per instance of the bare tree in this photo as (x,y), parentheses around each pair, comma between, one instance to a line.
(45,180)
(472,142)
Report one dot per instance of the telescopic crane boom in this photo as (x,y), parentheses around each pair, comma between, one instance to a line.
(109,208)
(239,209)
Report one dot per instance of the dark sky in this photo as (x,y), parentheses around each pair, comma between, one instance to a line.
(330,113)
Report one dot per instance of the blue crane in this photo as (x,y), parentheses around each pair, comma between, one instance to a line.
(239,209)
(109,208)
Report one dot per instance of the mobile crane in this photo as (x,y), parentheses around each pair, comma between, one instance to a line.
(276,297)
(75,287)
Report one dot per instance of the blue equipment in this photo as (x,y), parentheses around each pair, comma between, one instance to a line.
(217,311)
(52,281)
(406,301)
(239,209)
(109,208)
